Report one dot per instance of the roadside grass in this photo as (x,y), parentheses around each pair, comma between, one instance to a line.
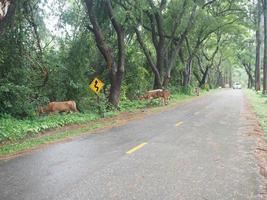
(13,130)
(259,105)
(21,135)
(32,143)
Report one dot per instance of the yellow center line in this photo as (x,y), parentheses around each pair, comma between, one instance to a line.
(196,113)
(136,148)
(178,124)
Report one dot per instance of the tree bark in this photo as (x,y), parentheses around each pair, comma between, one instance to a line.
(250,75)
(204,77)
(117,71)
(265,48)
(187,72)
(258,48)
(159,49)
(230,77)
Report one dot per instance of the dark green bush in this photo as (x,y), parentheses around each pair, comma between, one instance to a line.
(17,100)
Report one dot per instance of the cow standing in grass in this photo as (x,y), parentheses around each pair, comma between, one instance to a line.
(55,107)
(153,94)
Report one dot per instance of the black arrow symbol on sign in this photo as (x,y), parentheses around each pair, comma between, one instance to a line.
(97,88)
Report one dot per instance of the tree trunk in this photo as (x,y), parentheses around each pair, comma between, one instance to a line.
(187,72)
(204,77)
(265,48)
(250,82)
(157,78)
(230,78)
(249,71)
(220,82)
(116,69)
(115,89)
(157,83)
(258,48)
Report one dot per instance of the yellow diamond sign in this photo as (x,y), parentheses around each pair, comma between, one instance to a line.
(96,85)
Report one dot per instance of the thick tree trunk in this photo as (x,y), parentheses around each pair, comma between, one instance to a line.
(157,83)
(204,77)
(115,89)
(249,71)
(117,72)
(265,48)
(250,82)
(187,72)
(258,48)
(160,49)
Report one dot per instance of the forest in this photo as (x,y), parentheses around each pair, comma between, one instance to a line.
(52,50)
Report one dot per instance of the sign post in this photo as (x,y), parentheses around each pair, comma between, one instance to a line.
(96,86)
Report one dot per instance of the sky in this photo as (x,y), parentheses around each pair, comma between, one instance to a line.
(52,17)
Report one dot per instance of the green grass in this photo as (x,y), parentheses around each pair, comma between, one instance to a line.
(13,130)
(259,105)
(35,142)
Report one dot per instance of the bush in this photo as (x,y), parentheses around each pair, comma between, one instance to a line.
(188,90)
(16,100)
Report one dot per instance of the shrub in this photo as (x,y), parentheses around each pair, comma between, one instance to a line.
(16,100)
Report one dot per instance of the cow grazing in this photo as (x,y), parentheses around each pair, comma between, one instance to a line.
(54,107)
(153,94)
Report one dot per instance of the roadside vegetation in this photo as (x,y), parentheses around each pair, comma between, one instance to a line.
(50,51)
(259,105)
(23,135)
(14,130)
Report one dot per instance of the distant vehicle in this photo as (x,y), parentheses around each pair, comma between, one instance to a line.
(237,86)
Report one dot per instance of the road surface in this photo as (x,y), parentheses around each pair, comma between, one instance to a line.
(193,152)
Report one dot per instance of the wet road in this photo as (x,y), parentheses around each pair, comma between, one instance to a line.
(195,151)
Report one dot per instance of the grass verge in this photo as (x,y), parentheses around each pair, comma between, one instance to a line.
(32,143)
(259,105)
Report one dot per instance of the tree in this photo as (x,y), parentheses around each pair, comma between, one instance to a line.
(258,47)
(209,61)
(265,48)
(116,68)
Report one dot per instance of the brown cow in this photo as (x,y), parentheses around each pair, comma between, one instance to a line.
(53,107)
(153,94)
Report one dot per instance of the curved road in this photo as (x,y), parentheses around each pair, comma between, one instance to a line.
(197,151)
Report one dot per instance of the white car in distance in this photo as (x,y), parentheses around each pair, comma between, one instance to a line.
(237,86)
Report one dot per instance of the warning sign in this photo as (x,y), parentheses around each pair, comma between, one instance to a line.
(96,85)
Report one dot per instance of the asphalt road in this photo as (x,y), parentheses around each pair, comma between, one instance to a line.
(194,152)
